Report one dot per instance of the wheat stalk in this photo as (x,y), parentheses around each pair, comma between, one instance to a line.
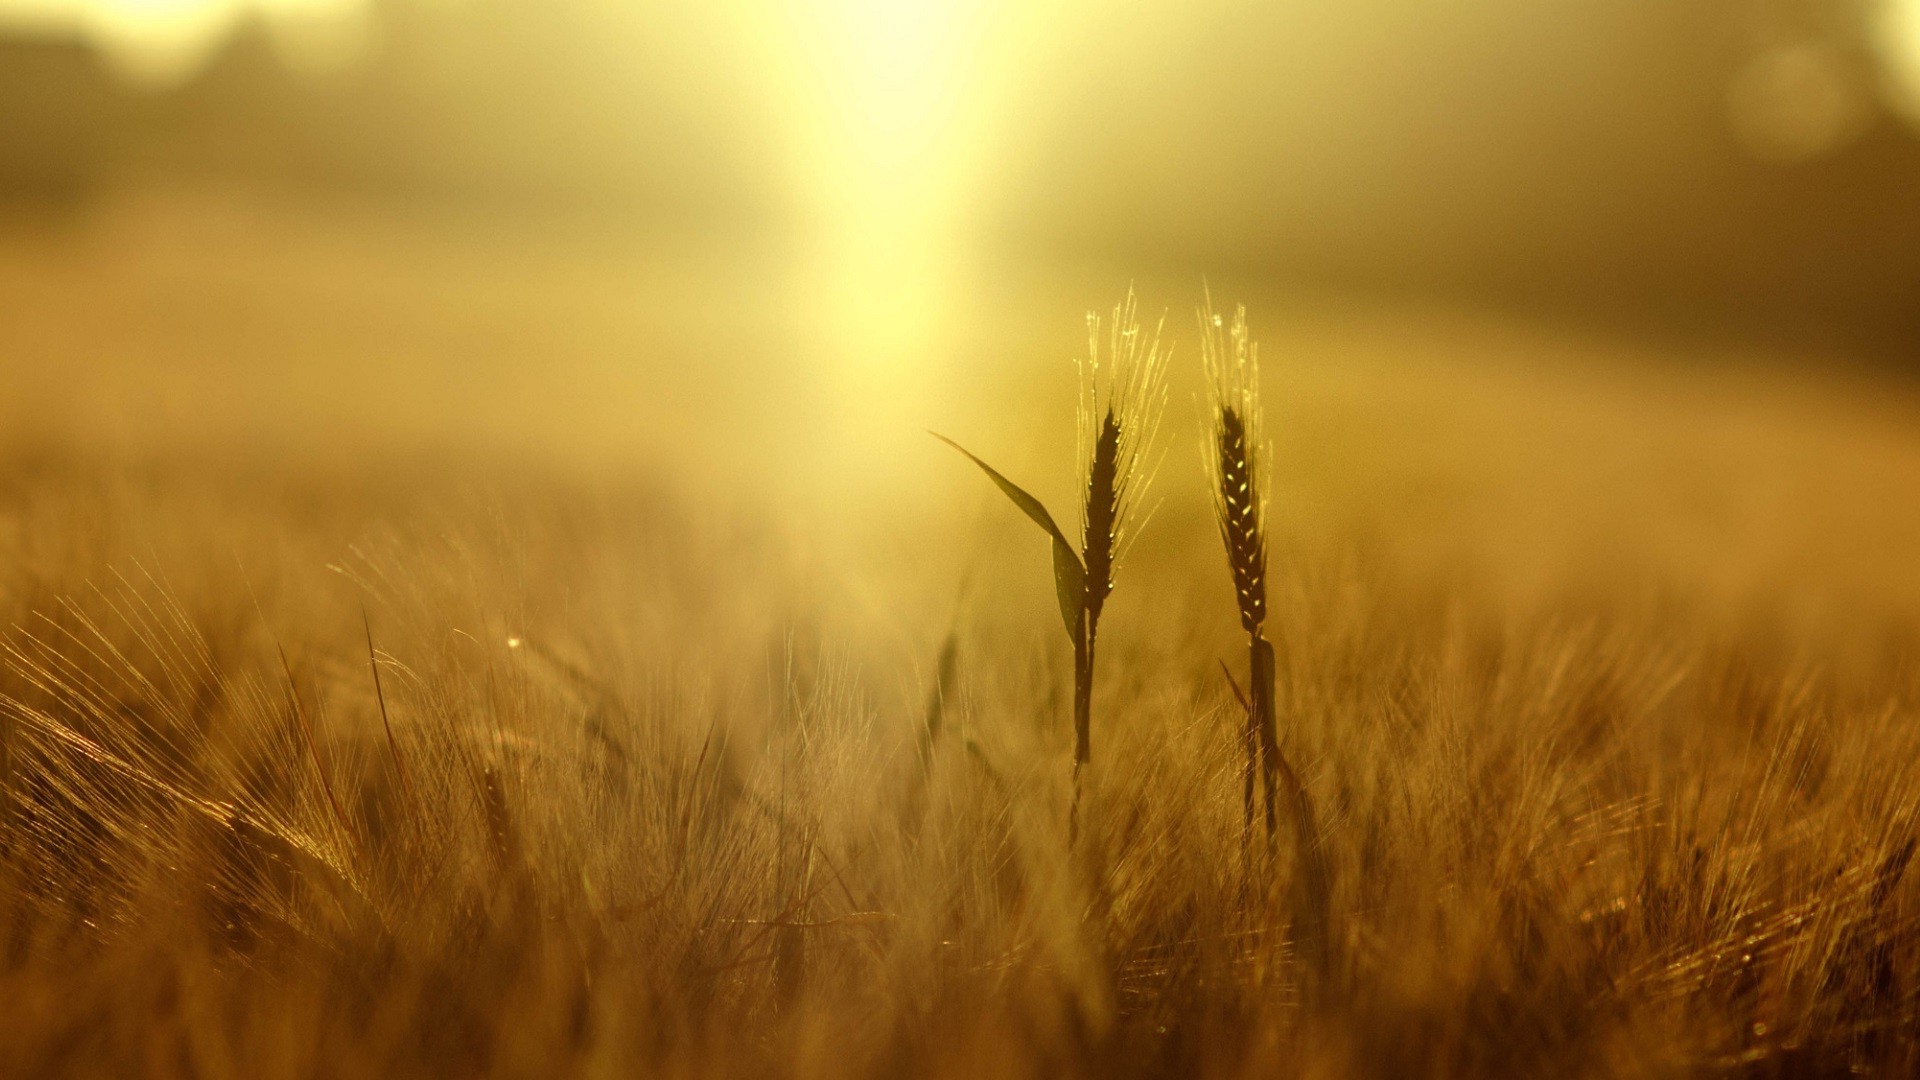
(1232,364)
(1234,458)
(1122,398)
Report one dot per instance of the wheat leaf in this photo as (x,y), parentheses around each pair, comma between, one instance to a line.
(1069,585)
(1069,577)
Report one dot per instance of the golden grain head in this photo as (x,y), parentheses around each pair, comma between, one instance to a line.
(1233,455)
(1123,396)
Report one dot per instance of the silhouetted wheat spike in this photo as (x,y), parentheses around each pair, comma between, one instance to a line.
(1233,460)
(1122,398)
(1240,518)
(1100,519)
(1102,516)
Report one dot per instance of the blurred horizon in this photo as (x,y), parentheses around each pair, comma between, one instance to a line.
(1705,168)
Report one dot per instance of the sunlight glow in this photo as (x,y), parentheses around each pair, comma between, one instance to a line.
(885,102)
(158,42)
(895,64)
(890,107)
(1897,40)
(880,136)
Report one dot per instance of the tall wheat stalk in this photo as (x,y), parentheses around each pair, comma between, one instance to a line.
(1122,398)
(1235,455)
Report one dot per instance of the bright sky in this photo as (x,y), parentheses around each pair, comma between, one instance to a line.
(892,104)
(1898,32)
(874,83)
(880,105)
(162,41)
(874,88)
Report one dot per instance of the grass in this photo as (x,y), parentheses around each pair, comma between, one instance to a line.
(482,771)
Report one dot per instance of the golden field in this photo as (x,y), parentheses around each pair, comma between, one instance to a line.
(478,705)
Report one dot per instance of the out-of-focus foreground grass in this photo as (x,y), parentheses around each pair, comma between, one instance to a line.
(544,697)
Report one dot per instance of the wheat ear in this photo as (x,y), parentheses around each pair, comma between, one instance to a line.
(1122,398)
(1234,464)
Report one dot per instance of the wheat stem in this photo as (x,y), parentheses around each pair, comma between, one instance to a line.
(1122,397)
(1121,401)
(1233,458)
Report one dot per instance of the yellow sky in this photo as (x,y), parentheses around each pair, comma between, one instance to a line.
(1467,144)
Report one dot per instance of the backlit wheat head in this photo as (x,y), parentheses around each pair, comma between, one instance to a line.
(1122,397)
(1235,459)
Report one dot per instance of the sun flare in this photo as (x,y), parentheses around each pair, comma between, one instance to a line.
(882,127)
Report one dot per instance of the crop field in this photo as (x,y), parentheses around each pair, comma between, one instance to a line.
(468,709)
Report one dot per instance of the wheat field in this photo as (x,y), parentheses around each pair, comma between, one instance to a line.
(1598,672)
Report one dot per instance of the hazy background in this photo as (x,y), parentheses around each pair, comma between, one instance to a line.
(740,226)
(1695,161)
